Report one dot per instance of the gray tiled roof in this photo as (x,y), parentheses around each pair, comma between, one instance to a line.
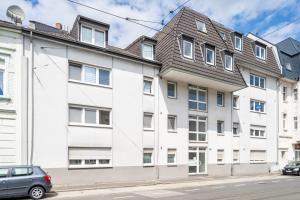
(169,50)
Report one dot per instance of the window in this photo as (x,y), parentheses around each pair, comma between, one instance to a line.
(172,123)
(89,157)
(257,131)
(148,121)
(21,171)
(88,74)
(3,63)
(236,156)
(288,66)
(197,128)
(92,36)
(257,106)
(295,122)
(3,172)
(223,36)
(257,156)
(238,43)
(89,116)
(284,93)
(235,102)
(220,156)
(188,49)
(228,62)
(235,129)
(284,120)
(171,156)
(201,26)
(210,56)
(257,81)
(197,98)
(220,98)
(220,127)
(147,85)
(148,157)
(295,94)
(147,51)
(260,52)
(172,90)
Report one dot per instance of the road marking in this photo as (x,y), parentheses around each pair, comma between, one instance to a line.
(191,190)
(123,197)
(240,185)
(218,187)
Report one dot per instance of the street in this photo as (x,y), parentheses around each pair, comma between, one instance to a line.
(276,188)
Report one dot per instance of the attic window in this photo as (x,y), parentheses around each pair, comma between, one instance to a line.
(223,36)
(228,62)
(288,66)
(92,36)
(147,51)
(201,26)
(187,48)
(260,52)
(238,43)
(210,55)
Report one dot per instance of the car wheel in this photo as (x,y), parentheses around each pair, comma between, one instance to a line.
(36,192)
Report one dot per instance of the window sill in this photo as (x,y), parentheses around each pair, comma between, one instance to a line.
(170,97)
(221,163)
(148,129)
(172,165)
(264,113)
(258,162)
(92,44)
(5,98)
(258,137)
(235,108)
(192,141)
(148,165)
(148,94)
(220,134)
(172,131)
(90,125)
(236,135)
(89,167)
(90,84)
(258,87)
(220,106)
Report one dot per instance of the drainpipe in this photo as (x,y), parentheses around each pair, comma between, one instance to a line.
(32,98)
(277,124)
(231,115)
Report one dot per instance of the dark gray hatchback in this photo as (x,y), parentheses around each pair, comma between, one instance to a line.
(19,181)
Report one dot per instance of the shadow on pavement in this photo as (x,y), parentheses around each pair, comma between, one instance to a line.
(47,195)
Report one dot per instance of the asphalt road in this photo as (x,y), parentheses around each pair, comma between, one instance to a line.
(276,189)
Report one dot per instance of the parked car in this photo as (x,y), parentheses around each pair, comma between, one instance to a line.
(23,181)
(292,168)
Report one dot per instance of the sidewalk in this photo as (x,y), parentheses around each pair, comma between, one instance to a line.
(189,180)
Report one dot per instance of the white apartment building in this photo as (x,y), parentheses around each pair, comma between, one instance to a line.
(185,102)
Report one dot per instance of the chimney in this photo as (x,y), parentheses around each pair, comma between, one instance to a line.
(58,26)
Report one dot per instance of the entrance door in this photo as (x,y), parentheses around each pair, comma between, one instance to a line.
(197,160)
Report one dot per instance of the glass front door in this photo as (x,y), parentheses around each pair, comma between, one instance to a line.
(197,160)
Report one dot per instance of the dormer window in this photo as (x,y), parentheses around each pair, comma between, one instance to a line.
(92,36)
(201,26)
(223,36)
(260,52)
(147,51)
(188,49)
(288,66)
(228,62)
(238,43)
(210,55)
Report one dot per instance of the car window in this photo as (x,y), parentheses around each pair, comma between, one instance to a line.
(21,171)
(3,172)
(297,164)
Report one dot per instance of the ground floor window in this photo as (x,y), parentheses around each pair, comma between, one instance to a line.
(171,156)
(297,155)
(89,157)
(197,160)
(258,156)
(148,157)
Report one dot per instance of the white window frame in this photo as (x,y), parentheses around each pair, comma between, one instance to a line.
(258,161)
(175,90)
(97,124)
(93,35)
(236,102)
(284,93)
(152,52)
(83,66)
(295,92)
(4,69)
(148,150)
(295,120)
(261,131)
(220,152)
(172,151)
(235,43)
(148,79)
(223,99)
(284,117)
(236,156)
(237,128)
(198,119)
(183,49)
(204,26)
(175,123)
(222,127)
(197,98)
(213,57)
(260,50)
(225,63)
(152,121)
(259,102)
(260,78)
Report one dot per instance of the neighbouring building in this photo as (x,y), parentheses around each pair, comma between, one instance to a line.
(196,99)
(289,135)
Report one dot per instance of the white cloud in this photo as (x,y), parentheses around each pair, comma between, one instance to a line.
(230,12)
(282,31)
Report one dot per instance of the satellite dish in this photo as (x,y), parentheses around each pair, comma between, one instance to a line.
(15,13)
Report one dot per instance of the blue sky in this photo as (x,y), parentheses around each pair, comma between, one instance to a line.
(256,16)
